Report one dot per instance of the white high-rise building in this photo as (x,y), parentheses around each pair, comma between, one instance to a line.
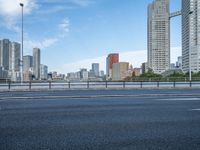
(36,63)
(14,57)
(159,36)
(14,61)
(191,35)
(43,72)
(27,63)
(85,75)
(95,69)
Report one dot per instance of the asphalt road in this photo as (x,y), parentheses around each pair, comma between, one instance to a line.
(102,120)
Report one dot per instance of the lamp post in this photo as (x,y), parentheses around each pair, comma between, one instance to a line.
(22,76)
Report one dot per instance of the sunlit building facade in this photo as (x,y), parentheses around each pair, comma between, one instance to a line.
(191,35)
(36,63)
(159,36)
(110,60)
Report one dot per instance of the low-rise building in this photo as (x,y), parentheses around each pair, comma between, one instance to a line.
(137,72)
(119,71)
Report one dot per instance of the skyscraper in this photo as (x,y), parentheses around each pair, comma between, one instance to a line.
(191,35)
(101,73)
(14,57)
(4,53)
(159,36)
(43,72)
(95,69)
(110,60)
(179,62)
(36,63)
(27,62)
(84,74)
(27,67)
(144,68)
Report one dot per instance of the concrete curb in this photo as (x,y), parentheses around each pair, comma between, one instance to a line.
(96,89)
(101,96)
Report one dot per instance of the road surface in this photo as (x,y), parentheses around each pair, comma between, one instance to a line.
(100,120)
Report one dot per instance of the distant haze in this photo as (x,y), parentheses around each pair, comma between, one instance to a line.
(136,58)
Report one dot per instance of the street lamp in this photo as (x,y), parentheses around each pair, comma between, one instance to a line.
(22,6)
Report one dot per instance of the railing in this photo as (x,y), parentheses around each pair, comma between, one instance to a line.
(49,85)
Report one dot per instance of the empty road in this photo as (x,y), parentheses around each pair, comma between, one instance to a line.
(100,120)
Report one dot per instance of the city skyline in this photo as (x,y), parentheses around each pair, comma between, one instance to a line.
(117,32)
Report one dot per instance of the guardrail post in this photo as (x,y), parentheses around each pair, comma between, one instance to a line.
(190,83)
(158,84)
(69,85)
(29,85)
(174,84)
(88,84)
(124,84)
(49,85)
(141,84)
(106,84)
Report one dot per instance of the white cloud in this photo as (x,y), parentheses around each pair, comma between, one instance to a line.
(63,29)
(10,10)
(57,6)
(64,25)
(11,16)
(29,44)
(136,58)
(86,63)
(82,2)
(54,9)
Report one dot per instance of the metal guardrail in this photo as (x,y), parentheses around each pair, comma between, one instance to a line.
(97,85)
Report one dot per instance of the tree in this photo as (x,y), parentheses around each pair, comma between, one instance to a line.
(150,74)
(177,75)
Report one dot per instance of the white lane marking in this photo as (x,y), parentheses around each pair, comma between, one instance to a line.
(180,99)
(195,109)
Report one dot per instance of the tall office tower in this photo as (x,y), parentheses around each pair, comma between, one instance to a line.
(144,68)
(4,53)
(95,69)
(27,63)
(101,73)
(36,63)
(179,62)
(159,36)
(110,60)
(43,72)
(84,74)
(191,35)
(27,67)
(14,57)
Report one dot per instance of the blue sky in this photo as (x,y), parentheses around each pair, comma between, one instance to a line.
(71,32)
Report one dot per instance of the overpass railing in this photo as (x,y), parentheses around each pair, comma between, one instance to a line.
(50,85)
